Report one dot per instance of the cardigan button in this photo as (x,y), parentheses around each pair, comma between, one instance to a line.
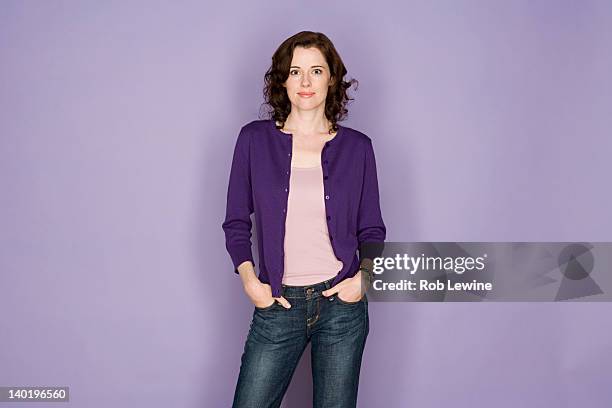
(327,197)
(326,177)
(328,218)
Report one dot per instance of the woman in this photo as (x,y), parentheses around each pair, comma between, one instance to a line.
(313,187)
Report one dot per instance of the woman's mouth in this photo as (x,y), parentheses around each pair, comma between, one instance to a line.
(305,94)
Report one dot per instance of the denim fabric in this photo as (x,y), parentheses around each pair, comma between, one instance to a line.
(278,336)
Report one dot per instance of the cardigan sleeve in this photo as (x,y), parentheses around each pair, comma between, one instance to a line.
(239,206)
(371,230)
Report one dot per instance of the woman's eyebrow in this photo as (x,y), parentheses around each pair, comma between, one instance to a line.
(314,66)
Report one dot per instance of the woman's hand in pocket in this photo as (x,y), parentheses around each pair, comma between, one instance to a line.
(352,289)
(261,295)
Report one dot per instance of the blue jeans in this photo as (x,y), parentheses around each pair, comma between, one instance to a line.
(278,336)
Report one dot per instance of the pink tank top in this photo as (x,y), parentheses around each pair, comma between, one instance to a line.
(309,256)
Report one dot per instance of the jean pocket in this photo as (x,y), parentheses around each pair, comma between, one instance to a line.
(263,309)
(344,302)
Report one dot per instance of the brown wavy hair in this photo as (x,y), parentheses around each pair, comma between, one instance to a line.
(275,94)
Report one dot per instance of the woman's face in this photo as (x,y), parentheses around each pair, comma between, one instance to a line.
(309,79)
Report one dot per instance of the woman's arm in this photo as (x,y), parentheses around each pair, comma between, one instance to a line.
(370,226)
(239,207)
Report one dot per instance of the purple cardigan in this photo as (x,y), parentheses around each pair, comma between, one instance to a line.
(259,182)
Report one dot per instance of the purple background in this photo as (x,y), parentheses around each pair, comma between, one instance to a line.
(491,122)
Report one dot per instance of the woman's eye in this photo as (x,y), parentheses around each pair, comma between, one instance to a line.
(317,71)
